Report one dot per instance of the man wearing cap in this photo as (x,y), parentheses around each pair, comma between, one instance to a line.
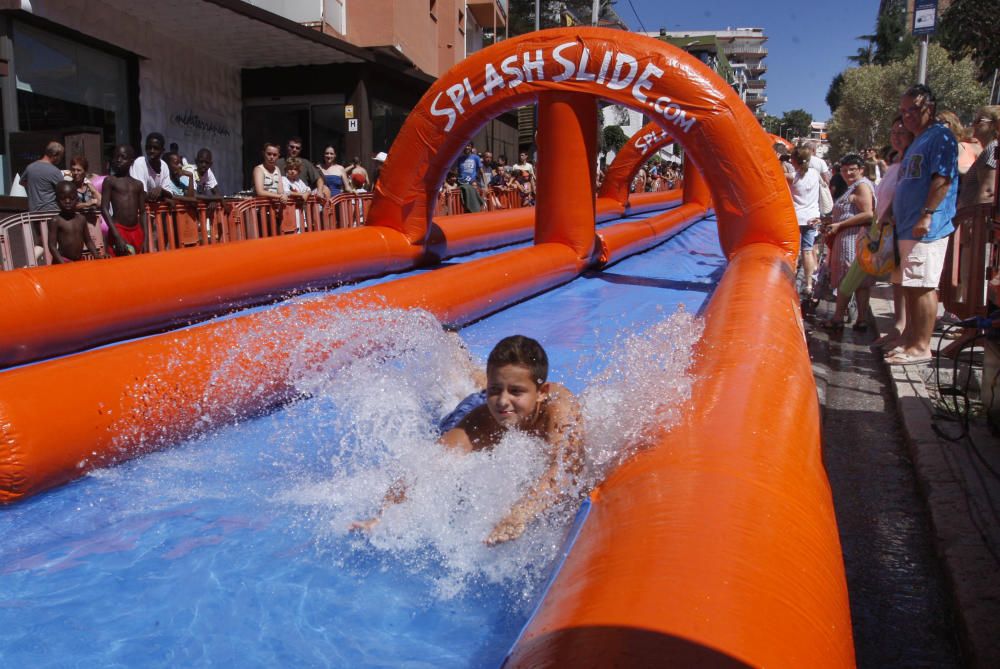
(379,158)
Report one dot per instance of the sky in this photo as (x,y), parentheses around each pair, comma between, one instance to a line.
(808,42)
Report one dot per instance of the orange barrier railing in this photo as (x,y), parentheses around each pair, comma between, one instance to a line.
(450,202)
(177,225)
(966,270)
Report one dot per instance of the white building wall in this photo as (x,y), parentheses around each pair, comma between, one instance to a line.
(184,93)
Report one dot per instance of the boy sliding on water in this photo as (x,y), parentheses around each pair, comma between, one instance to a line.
(517,397)
(68,233)
(123,205)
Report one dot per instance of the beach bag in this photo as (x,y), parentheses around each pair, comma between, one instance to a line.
(874,249)
(825,198)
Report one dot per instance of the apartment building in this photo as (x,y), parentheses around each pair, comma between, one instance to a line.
(742,49)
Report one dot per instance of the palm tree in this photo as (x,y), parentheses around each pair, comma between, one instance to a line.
(865,54)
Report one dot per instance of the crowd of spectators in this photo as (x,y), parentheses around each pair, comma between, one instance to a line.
(118,201)
(932,166)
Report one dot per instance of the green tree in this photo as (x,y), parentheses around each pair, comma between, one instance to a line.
(834,92)
(892,41)
(870,97)
(613,138)
(771,124)
(865,54)
(796,123)
(971,29)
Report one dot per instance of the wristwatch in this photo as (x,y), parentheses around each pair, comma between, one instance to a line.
(929,211)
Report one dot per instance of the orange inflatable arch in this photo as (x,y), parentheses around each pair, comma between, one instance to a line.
(633,155)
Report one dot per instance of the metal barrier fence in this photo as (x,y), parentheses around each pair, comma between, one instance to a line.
(24,238)
(972,263)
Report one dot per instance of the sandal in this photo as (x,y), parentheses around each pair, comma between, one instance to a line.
(860,327)
(832,325)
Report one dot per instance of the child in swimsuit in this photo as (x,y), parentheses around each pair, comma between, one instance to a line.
(517,397)
(123,205)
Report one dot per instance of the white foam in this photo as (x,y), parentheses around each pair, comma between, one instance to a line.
(381,394)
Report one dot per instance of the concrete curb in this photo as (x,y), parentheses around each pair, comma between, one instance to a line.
(953,484)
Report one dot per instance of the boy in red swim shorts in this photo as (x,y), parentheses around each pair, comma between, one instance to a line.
(123,204)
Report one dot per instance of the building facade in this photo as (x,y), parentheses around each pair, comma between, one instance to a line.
(224,74)
(744,52)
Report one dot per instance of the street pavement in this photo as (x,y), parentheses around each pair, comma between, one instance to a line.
(918,501)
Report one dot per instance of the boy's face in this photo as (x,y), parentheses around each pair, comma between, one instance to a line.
(292,173)
(154,149)
(174,163)
(66,199)
(204,162)
(121,160)
(513,396)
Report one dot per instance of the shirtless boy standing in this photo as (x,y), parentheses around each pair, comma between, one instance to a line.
(123,205)
(517,397)
(68,233)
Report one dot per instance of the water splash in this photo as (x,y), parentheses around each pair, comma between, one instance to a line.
(379,398)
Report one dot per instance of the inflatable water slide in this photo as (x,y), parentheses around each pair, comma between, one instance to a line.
(713,544)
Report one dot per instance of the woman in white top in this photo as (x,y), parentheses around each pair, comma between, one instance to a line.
(804,184)
(267,176)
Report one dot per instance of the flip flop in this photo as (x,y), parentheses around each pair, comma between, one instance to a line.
(832,325)
(901,359)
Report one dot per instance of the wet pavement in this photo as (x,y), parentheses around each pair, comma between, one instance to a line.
(901,601)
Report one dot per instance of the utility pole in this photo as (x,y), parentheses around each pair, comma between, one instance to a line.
(596,12)
(538,15)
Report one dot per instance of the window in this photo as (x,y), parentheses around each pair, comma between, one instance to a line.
(64,85)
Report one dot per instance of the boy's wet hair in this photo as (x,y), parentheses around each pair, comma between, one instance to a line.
(65,186)
(293,164)
(522,351)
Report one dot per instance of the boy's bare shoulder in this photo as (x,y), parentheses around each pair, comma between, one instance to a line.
(477,430)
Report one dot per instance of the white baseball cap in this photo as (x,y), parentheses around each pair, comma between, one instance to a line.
(380,156)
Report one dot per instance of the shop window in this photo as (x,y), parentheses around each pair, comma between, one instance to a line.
(66,87)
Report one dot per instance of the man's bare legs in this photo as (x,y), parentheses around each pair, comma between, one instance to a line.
(921,306)
(893,337)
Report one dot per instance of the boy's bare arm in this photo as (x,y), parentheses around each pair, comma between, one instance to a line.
(562,431)
(116,239)
(144,219)
(53,225)
(89,241)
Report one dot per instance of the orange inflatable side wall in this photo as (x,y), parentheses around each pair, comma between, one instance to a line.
(647,141)
(627,238)
(50,311)
(119,401)
(716,546)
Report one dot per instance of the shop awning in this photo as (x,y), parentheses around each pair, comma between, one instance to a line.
(240,34)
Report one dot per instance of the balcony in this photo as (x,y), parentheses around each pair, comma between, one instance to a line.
(756,83)
(489,13)
(745,49)
(313,13)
